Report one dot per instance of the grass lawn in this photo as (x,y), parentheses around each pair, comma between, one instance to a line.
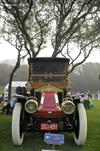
(1,106)
(34,141)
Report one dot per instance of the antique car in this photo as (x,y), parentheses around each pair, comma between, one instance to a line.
(44,105)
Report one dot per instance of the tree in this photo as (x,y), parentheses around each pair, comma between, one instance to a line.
(85,77)
(19,31)
(67,24)
(76,25)
(17,65)
(28,19)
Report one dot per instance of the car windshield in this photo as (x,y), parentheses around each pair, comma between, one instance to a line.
(48,70)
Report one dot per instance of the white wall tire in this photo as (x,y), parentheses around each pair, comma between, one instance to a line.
(17,132)
(80,132)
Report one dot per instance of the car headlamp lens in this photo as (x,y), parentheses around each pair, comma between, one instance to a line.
(31,106)
(68,107)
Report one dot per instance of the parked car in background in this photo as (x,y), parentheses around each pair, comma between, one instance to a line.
(15,84)
(45,105)
(9,106)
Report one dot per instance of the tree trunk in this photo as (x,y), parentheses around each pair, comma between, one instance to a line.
(17,65)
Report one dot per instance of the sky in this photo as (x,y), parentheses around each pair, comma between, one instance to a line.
(8,52)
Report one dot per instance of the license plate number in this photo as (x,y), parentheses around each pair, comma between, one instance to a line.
(46,126)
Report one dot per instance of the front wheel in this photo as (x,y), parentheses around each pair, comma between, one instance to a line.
(80,131)
(17,125)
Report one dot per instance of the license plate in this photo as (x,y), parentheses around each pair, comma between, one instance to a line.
(46,126)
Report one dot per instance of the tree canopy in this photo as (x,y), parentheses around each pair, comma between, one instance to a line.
(70,26)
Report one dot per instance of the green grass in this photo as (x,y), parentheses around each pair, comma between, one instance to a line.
(34,141)
(1,106)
